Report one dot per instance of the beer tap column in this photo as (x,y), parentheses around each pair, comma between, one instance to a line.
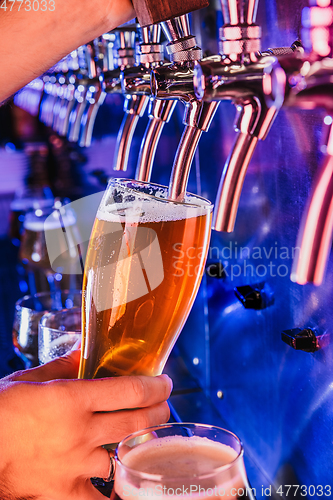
(134,104)
(96,90)
(239,76)
(80,93)
(309,85)
(175,81)
(136,81)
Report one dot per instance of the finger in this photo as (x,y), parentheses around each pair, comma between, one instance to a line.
(65,367)
(98,464)
(118,393)
(115,426)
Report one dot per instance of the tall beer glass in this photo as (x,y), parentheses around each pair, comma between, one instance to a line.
(181,461)
(143,268)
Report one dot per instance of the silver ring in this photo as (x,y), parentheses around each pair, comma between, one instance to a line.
(111,469)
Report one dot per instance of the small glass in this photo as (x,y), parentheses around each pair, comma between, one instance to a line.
(49,224)
(58,332)
(28,312)
(181,460)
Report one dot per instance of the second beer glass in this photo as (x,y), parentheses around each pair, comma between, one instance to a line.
(143,269)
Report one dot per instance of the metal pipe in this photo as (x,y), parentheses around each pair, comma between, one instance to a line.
(159,114)
(230,188)
(315,236)
(134,107)
(89,115)
(76,113)
(197,119)
(148,149)
(182,162)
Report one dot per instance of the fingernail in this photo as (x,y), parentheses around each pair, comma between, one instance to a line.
(166,377)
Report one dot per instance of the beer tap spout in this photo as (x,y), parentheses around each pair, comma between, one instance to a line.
(135,103)
(134,107)
(309,85)
(315,235)
(96,90)
(230,188)
(136,81)
(198,117)
(160,113)
(242,74)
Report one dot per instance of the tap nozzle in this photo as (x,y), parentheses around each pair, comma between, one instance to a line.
(160,113)
(315,235)
(134,107)
(197,119)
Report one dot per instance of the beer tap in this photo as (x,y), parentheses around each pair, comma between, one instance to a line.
(175,81)
(309,85)
(53,81)
(96,90)
(239,75)
(61,124)
(79,93)
(134,104)
(89,95)
(136,81)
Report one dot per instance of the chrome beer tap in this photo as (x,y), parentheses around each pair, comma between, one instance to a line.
(100,60)
(309,80)
(53,81)
(89,94)
(80,92)
(136,81)
(175,81)
(134,105)
(239,75)
(96,90)
(61,124)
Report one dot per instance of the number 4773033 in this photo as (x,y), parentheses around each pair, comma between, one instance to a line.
(28,5)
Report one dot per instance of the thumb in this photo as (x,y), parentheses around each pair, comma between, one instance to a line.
(65,367)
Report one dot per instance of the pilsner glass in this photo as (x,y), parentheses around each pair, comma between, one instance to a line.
(181,461)
(143,268)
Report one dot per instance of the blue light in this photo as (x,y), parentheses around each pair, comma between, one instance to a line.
(16,242)
(69,303)
(23,286)
(10,147)
(58,277)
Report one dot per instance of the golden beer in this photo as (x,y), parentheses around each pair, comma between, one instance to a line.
(143,268)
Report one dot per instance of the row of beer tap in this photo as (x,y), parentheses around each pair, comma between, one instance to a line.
(258,82)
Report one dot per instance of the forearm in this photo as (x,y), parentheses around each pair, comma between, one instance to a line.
(33,41)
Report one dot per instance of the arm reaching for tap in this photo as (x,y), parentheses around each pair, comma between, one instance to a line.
(52,427)
(34,35)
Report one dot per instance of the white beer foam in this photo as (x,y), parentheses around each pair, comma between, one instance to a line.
(202,456)
(152,211)
(177,462)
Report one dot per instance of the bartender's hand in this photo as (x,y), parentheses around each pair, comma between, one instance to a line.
(52,431)
(36,35)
